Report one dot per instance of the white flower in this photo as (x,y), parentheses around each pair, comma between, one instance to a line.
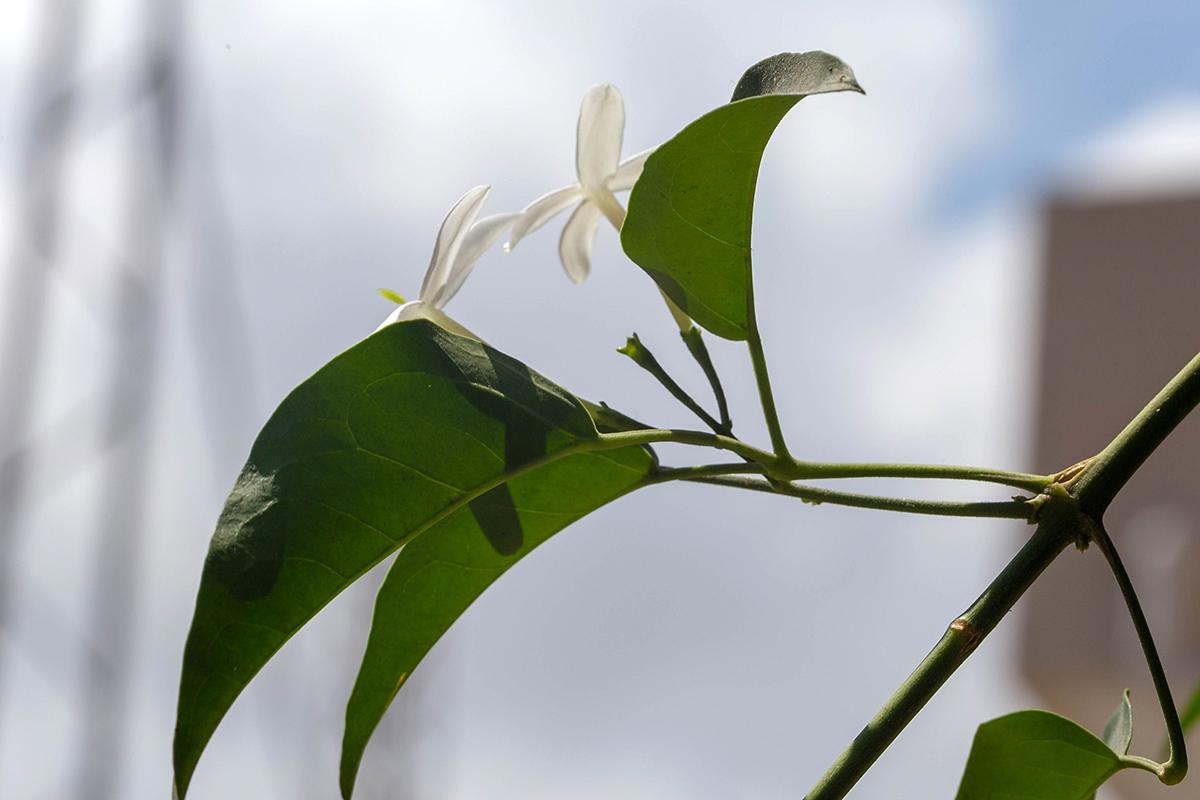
(597,154)
(460,242)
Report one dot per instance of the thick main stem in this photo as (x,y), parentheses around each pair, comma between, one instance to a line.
(1065,516)
(1116,464)
(1054,533)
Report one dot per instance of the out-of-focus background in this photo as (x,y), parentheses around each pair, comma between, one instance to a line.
(198,201)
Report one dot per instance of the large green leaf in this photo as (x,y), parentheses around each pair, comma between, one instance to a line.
(412,428)
(441,572)
(1036,755)
(689,219)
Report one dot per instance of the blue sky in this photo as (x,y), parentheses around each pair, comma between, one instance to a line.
(1069,70)
(680,643)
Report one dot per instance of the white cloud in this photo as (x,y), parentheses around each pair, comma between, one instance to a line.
(345,131)
(1155,150)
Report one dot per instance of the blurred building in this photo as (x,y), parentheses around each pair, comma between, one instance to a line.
(1120,316)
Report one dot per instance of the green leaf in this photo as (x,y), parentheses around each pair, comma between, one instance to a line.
(412,429)
(689,219)
(1118,731)
(1036,755)
(441,572)
(1192,712)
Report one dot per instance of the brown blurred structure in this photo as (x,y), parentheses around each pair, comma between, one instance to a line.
(1121,315)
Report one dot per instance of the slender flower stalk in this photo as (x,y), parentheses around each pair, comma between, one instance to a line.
(461,240)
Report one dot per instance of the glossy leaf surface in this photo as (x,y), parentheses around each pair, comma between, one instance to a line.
(441,572)
(690,212)
(1035,755)
(412,427)
(689,218)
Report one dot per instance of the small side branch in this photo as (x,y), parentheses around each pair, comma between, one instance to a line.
(1175,768)
(761,377)
(641,355)
(695,345)
(1017,508)
(812,470)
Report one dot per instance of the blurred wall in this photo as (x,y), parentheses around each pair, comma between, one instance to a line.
(1120,316)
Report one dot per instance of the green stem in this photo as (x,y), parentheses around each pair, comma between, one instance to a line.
(703,473)
(608,441)
(695,345)
(1012,509)
(1054,533)
(1175,768)
(812,470)
(641,355)
(1073,513)
(1116,464)
(787,470)
(761,376)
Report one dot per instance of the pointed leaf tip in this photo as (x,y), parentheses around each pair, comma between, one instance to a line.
(814,72)
(398,436)
(689,218)
(1118,731)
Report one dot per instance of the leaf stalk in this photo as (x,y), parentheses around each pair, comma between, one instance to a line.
(1175,768)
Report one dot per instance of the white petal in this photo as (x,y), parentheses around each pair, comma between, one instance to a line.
(539,212)
(598,136)
(449,240)
(478,239)
(628,171)
(575,246)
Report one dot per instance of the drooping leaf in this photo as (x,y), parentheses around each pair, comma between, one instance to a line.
(689,219)
(412,427)
(1035,755)
(1118,731)
(441,572)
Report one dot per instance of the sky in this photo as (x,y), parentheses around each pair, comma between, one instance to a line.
(682,643)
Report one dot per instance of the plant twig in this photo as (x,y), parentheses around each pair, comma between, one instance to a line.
(1071,512)
(1017,508)
(787,470)
(704,473)
(608,441)
(1100,481)
(1056,530)
(695,345)
(641,355)
(813,470)
(759,359)
(1175,768)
